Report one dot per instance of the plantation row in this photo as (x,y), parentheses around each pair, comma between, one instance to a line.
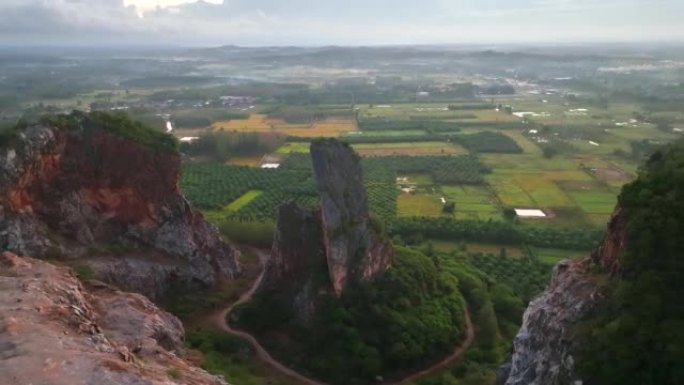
(527,277)
(461,169)
(487,141)
(418,228)
(266,205)
(432,126)
(212,186)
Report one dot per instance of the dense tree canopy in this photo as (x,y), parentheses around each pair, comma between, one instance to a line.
(406,318)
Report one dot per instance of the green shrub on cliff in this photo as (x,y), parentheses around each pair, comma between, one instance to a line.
(637,337)
(119,124)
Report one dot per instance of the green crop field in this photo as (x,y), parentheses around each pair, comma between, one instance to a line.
(512,251)
(419,205)
(472,202)
(594,202)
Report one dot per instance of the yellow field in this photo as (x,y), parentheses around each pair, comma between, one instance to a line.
(331,127)
(251,162)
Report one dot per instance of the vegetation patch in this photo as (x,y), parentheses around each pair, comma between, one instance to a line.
(119,124)
(233,358)
(403,320)
(491,142)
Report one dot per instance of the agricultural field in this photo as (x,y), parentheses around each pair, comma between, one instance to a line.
(509,170)
(380,134)
(330,127)
(423,148)
(419,156)
(472,202)
(512,251)
(419,205)
(436,111)
(553,256)
(245,161)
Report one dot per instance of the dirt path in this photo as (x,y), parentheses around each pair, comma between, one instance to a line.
(451,359)
(219,320)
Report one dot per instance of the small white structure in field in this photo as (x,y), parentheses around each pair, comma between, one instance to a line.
(533,132)
(675,129)
(594,143)
(443,200)
(189,139)
(530,213)
(524,114)
(270,165)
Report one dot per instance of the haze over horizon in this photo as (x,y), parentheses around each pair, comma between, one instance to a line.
(350,22)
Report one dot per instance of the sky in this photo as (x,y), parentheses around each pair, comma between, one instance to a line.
(337,22)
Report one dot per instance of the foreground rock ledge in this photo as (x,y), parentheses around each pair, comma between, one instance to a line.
(55,331)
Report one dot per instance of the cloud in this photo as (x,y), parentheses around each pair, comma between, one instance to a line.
(359,22)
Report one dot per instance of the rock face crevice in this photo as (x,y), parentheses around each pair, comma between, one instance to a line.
(113,202)
(543,350)
(319,253)
(54,330)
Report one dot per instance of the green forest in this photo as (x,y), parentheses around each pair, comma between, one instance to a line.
(637,335)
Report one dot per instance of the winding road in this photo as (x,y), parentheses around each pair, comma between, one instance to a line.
(220,320)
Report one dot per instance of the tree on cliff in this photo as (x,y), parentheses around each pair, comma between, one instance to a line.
(638,336)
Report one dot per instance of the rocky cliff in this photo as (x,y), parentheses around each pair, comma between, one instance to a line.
(80,189)
(544,349)
(319,252)
(353,248)
(55,331)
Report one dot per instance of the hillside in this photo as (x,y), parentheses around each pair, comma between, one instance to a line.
(616,317)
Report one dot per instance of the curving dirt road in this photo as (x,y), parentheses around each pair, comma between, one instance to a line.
(220,320)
